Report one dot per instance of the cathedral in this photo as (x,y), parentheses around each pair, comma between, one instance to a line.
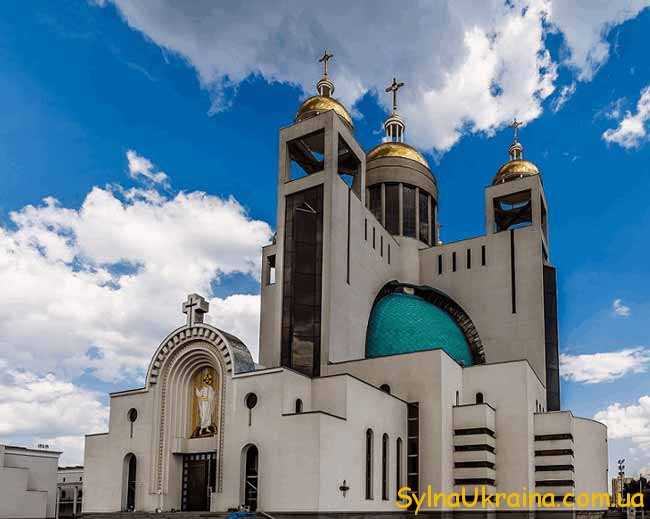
(387,358)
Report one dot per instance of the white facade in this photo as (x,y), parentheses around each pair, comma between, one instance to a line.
(324,424)
(27,482)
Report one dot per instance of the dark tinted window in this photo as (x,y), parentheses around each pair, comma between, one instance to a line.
(375,201)
(392,208)
(424,217)
(408,197)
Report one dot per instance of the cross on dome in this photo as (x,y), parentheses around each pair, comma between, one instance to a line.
(515,125)
(324,59)
(394,87)
(195,307)
(325,87)
(516,150)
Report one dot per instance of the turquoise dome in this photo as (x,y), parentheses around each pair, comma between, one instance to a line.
(403,323)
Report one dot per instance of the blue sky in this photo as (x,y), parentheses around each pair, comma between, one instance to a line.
(83,83)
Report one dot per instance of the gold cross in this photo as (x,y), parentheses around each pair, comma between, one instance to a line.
(394,87)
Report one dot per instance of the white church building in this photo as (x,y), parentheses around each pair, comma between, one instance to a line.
(387,359)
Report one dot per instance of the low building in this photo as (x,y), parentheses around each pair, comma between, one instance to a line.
(27,482)
(69,483)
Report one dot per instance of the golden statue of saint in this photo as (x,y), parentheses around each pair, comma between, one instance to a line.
(204,404)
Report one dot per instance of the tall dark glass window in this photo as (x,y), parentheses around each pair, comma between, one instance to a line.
(301,304)
(384,467)
(392,208)
(375,201)
(369,438)
(398,465)
(434,229)
(408,201)
(424,217)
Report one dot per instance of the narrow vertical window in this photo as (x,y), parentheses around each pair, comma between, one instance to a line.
(373,238)
(369,464)
(483,255)
(389,253)
(298,406)
(469,259)
(453,262)
(398,465)
(457,398)
(408,211)
(365,229)
(269,273)
(479,398)
(439,264)
(375,201)
(384,467)
(392,208)
(424,218)
(381,245)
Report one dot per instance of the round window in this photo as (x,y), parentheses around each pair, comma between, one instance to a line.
(251,400)
(132,415)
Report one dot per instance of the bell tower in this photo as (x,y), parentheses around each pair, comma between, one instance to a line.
(321,175)
(515,204)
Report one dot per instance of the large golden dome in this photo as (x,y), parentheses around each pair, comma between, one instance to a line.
(396,149)
(516,168)
(320,104)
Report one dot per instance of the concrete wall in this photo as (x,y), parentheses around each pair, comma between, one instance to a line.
(104,456)
(304,458)
(511,389)
(432,379)
(590,457)
(485,294)
(27,482)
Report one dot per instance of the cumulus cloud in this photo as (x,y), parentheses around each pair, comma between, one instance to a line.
(469,66)
(631,422)
(49,410)
(620,309)
(594,368)
(632,129)
(96,288)
(565,94)
(585,25)
(140,166)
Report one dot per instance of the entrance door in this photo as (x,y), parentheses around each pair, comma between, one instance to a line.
(129,482)
(251,478)
(199,471)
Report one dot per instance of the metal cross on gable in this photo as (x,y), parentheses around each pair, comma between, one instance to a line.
(195,307)
(394,87)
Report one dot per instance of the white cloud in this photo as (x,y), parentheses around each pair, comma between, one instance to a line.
(100,286)
(469,66)
(585,26)
(632,129)
(631,421)
(141,166)
(620,309)
(595,368)
(565,94)
(49,410)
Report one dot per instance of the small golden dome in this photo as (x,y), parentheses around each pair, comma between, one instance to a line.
(396,149)
(320,104)
(514,169)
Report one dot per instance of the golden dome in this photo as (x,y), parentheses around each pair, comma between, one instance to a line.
(515,168)
(320,104)
(396,149)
